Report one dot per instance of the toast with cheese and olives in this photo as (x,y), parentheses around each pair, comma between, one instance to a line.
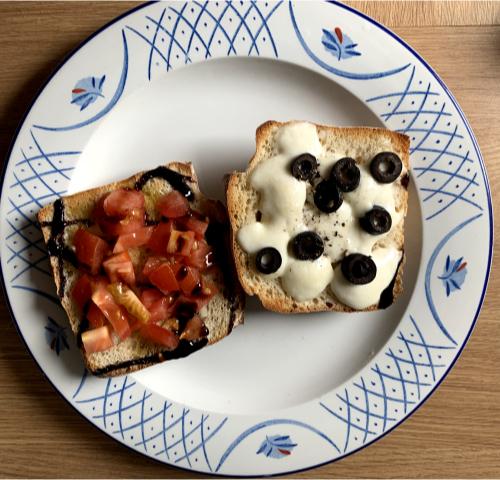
(142,269)
(317,219)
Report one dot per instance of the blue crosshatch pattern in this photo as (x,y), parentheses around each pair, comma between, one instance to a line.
(40,178)
(445,171)
(446,174)
(164,429)
(191,31)
(370,405)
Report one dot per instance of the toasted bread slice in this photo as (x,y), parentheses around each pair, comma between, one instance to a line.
(224,311)
(245,204)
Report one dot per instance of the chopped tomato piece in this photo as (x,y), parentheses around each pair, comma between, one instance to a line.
(134,239)
(99,281)
(190,222)
(163,278)
(161,310)
(173,205)
(160,336)
(112,311)
(135,325)
(97,340)
(159,238)
(126,297)
(114,227)
(119,267)
(200,256)
(122,227)
(121,203)
(189,279)
(194,330)
(152,263)
(90,249)
(95,317)
(149,296)
(180,242)
(82,291)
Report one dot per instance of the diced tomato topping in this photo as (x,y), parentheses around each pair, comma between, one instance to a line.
(160,306)
(172,205)
(97,340)
(162,309)
(135,239)
(149,296)
(122,227)
(159,335)
(95,317)
(90,249)
(175,286)
(135,324)
(97,282)
(159,238)
(200,256)
(163,278)
(127,298)
(112,311)
(180,242)
(189,279)
(82,291)
(194,330)
(121,203)
(190,222)
(114,227)
(129,224)
(152,263)
(120,268)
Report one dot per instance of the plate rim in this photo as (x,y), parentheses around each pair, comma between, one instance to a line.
(460,349)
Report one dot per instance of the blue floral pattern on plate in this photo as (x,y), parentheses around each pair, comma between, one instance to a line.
(454,274)
(339,44)
(276,446)
(56,336)
(87,91)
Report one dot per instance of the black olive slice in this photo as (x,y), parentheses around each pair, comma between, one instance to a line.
(304,167)
(268,260)
(358,269)
(345,173)
(307,246)
(386,167)
(377,221)
(327,196)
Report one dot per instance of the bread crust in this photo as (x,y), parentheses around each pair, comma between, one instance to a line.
(269,292)
(225,309)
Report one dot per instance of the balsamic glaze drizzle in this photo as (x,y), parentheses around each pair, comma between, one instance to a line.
(387,296)
(185,311)
(217,236)
(184,349)
(176,180)
(55,245)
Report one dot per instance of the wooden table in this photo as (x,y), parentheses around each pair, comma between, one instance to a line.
(457,432)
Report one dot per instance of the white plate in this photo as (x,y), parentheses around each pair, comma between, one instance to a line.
(281,393)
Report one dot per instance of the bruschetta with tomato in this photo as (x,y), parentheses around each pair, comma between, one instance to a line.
(143,269)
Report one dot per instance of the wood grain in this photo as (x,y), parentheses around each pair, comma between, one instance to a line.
(430,13)
(456,433)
